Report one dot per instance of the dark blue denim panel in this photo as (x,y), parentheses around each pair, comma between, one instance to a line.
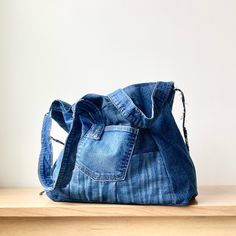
(145,142)
(178,162)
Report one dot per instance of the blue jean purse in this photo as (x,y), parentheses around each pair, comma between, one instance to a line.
(121,148)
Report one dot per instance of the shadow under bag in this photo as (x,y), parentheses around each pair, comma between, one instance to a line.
(120,148)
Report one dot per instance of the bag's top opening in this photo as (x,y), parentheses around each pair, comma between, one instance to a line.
(141,103)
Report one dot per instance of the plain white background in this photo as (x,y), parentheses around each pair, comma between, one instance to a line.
(54,49)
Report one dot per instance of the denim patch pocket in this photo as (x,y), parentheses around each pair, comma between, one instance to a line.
(106,158)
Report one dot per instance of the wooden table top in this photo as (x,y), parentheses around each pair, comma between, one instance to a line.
(26,202)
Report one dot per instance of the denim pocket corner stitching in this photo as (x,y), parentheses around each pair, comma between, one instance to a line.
(96,176)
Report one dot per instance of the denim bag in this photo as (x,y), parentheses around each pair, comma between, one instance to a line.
(120,148)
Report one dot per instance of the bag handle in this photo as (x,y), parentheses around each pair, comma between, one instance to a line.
(69,118)
(61,112)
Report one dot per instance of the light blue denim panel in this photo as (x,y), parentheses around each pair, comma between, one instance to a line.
(146,183)
(90,190)
(121,148)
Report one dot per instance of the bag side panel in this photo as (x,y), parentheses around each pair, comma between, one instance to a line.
(176,158)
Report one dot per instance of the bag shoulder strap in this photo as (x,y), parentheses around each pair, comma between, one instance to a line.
(61,112)
(68,117)
(185,132)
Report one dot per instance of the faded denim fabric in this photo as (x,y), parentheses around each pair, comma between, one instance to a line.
(121,148)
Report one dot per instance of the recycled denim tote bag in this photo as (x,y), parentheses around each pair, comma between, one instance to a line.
(120,148)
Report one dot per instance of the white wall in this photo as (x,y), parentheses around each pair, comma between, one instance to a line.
(64,49)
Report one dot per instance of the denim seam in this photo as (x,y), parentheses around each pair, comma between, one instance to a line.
(121,109)
(130,152)
(64,163)
(139,118)
(88,172)
(61,177)
(173,195)
(122,128)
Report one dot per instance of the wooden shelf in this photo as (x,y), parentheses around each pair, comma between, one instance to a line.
(26,202)
(24,212)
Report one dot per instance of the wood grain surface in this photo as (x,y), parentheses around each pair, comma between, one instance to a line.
(24,212)
(26,202)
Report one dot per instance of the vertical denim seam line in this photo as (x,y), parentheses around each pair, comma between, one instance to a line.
(130,153)
(173,194)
